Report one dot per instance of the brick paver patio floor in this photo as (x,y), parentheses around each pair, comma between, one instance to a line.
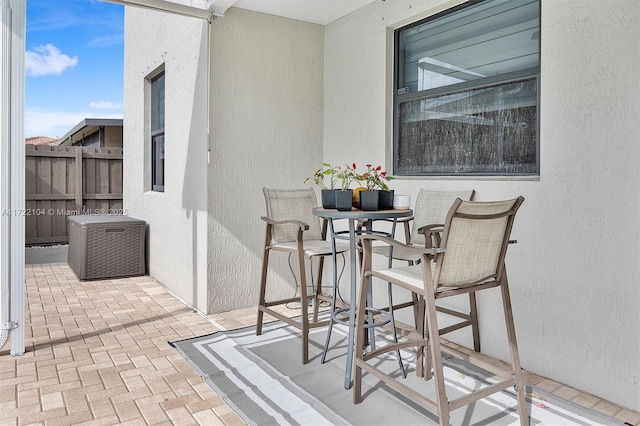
(97,353)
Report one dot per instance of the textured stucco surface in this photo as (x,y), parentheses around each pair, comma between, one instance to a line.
(266,94)
(177,218)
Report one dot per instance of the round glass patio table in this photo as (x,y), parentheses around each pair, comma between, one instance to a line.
(353,216)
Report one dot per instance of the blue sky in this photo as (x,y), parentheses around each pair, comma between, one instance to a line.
(74,64)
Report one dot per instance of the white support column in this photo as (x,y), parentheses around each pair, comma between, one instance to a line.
(5,174)
(18,296)
(12,172)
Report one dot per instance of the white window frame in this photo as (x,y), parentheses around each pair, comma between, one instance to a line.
(156,136)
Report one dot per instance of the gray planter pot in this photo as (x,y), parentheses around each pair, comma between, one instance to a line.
(344,199)
(328,198)
(386,200)
(369,200)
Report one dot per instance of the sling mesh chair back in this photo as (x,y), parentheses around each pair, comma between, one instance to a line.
(430,211)
(470,258)
(424,230)
(291,228)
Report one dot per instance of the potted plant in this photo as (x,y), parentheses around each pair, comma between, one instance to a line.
(327,192)
(334,194)
(344,196)
(378,195)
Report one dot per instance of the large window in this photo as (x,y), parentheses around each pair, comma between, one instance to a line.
(157,133)
(466,91)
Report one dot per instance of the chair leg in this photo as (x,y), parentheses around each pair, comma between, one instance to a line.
(334,297)
(360,335)
(473,311)
(304,307)
(317,289)
(436,357)
(394,331)
(416,300)
(515,358)
(263,290)
(330,326)
(359,352)
(423,363)
(418,305)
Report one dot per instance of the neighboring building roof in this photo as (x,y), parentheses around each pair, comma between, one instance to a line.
(87,127)
(40,140)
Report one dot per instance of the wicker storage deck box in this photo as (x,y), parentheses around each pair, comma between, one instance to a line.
(106,246)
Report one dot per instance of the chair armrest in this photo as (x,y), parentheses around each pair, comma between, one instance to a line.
(431,229)
(298,223)
(432,234)
(404,221)
(395,243)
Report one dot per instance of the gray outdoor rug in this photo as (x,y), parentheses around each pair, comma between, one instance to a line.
(263,380)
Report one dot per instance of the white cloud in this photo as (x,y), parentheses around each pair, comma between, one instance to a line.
(39,122)
(113,40)
(47,59)
(105,105)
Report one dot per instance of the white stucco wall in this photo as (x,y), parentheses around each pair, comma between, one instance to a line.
(177,218)
(266,130)
(574,272)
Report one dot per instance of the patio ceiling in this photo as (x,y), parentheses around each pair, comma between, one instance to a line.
(317,11)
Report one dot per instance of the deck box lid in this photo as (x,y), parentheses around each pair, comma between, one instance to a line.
(84,220)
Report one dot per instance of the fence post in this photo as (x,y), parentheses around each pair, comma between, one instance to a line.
(79,189)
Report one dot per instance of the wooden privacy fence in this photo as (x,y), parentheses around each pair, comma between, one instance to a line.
(68,180)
